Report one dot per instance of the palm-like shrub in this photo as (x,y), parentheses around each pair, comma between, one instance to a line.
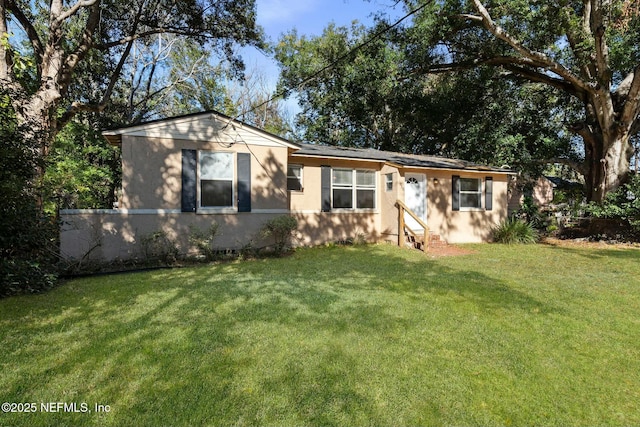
(514,231)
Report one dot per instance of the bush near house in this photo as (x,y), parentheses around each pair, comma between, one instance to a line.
(622,207)
(281,228)
(515,231)
(203,240)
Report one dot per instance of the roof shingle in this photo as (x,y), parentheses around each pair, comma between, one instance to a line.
(406,160)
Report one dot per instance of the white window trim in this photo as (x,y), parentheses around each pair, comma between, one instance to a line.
(301,178)
(354,193)
(218,209)
(481,193)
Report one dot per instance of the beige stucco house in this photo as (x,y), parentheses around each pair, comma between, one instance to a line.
(202,168)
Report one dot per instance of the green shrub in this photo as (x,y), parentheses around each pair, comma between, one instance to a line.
(28,237)
(281,228)
(159,246)
(515,231)
(530,213)
(203,240)
(622,204)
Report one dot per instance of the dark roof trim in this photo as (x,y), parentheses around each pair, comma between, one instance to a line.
(403,160)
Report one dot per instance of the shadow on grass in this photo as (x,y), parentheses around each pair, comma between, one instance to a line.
(221,344)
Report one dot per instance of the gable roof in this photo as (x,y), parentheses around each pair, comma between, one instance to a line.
(212,125)
(206,125)
(400,159)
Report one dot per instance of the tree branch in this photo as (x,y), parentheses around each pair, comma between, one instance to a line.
(632,104)
(597,27)
(576,41)
(84,46)
(536,57)
(573,164)
(32,34)
(77,106)
(522,67)
(539,77)
(62,16)
(469,17)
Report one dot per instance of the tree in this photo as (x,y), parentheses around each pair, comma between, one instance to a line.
(27,241)
(587,49)
(194,82)
(584,53)
(80,49)
(252,100)
(373,98)
(359,101)
(82,170)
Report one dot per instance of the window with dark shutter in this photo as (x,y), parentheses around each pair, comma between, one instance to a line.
(455,192)
(325,183)
(244,182)
(189,181)
(488,189)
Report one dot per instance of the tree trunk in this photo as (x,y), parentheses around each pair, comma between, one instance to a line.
(608,160)
(36,118)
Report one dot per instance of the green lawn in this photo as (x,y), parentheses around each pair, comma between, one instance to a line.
(371,335)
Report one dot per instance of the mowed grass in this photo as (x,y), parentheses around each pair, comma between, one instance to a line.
(372,335)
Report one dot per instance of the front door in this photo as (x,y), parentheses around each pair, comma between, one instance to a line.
(415,197)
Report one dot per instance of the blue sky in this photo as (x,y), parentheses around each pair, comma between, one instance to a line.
(310,17)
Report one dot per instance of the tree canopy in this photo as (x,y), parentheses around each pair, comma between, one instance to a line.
(71,68)
(76,52)
(582,54)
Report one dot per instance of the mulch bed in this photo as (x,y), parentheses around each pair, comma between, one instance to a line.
(445,250)
(589,243)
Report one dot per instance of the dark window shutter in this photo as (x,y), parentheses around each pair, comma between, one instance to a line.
(488,188)
(455,192)
(325,178)
(244,182)
(189,181)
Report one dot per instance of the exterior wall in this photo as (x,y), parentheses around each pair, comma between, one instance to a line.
(542,194)
(464,226)
(151,194)
(388,198)
(325,227)
(151,172)
(317,227)
(151,199)
(111,234)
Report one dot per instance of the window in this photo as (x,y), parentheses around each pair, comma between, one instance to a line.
(467,193)
(353,189)
(470,193)
(342,189)
(366,189)
(389,182)
(216,179)
(294,178)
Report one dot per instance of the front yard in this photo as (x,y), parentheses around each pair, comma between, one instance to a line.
(371,335)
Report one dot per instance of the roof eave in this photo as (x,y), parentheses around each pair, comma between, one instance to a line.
(113,138)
